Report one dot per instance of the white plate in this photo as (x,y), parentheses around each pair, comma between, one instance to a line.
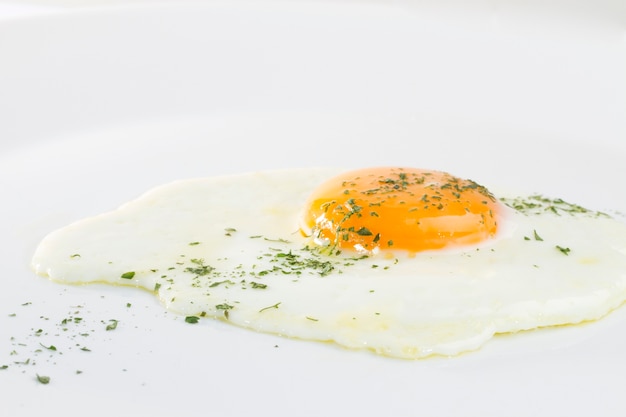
(100,104)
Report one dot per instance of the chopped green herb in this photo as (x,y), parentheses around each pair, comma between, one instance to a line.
(43,379)
(201,270)
(51,347)
(226,281)
(280,240)
(192,319)
(267,308)
(128,275)
(563,250)
(364,231)
(538,204)
(293,263)
(112,325)
(225,307)
(537,237)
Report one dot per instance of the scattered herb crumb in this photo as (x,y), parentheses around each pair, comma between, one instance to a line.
(51,347)
(563,250)
(43,379)
(128,275)
(192,319)
(539,204)
(268,307)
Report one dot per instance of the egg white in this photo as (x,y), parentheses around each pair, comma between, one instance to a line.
(228,247)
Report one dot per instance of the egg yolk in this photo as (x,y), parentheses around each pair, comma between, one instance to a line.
(408,209)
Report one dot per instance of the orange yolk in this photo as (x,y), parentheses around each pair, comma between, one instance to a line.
(399,208)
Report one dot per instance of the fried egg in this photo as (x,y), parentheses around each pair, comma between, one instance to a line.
(403,262)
